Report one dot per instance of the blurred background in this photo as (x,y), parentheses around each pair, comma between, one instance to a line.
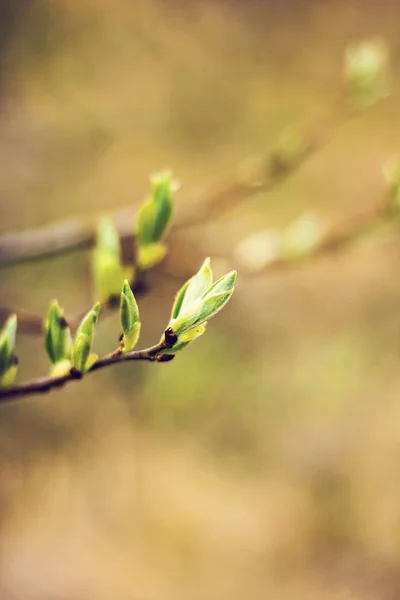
(264,461)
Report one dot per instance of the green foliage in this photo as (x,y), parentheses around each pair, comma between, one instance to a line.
(108,271)
(365,72)
(130,322)
(301,237)
(8,363)
(58,340)
(197,301)
(153,219)
(295,242)
(82,359)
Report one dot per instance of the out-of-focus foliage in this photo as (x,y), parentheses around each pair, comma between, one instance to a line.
(270,469)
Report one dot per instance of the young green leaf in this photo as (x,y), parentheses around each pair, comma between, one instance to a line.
(202,309)
(58,341)
(163,192)
(89,321)
(177,306)
(108,271)
(145,223)
(107,240)
(84,339)
(154,215)
(108,275)
(195,287)
(198,284)
(223,284)
(129,314)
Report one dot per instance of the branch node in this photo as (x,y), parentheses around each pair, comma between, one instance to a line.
(75,374)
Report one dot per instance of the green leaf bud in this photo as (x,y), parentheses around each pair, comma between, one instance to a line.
(176,308)
(163,197)
(154,215)
(197,301)
(365,72)
(145,223)
(58,341)
(84,339)
(108,272)
(199,311)
(89,321)
(193,289)
(129,314)
(223,284)
(107,240)
(198,284)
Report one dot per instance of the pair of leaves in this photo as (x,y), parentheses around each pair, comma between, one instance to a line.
(63,352)
(196,302)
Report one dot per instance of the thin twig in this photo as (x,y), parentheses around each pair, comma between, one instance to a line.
(45,384)
(336,240)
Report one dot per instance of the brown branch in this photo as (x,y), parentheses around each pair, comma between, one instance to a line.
(335,240)
(264,174)
(45,384)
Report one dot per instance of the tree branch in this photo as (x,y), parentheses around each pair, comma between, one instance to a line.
(335,240)
(338,239)
(263,174)
(45,384)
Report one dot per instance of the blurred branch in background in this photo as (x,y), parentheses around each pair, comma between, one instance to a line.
(252,177)
(307,239)
(120,253)
(365,84)
(268,251)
